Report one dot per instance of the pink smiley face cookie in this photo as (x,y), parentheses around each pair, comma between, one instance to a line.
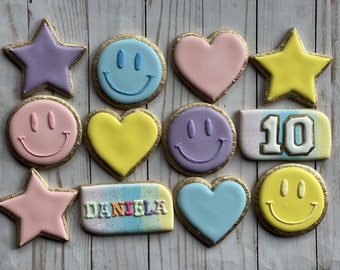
(43,132)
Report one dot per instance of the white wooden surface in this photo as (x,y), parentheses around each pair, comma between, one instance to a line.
(90,22)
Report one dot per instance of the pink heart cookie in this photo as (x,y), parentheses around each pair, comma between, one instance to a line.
(210,66)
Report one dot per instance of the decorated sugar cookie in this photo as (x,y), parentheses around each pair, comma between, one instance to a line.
(290,199)
(120,144)
(285,134)
(199,138)
(210,66)
(43,132)
(45,61)
(129,208)
(128,70)
(39,210)
(291,71)
(211,211)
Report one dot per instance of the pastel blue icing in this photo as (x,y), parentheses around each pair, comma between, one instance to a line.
(116,193)
(132,66)
(112,194)
(212,213)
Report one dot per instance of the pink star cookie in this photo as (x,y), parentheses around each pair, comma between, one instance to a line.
(39,210)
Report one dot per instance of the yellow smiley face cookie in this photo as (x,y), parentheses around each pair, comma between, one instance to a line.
(290,199)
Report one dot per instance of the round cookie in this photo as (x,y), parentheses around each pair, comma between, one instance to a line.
(290,199)
(128,70)
(43,132)
(209,66)
(199,138)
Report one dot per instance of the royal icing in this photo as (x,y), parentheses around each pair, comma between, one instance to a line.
(126,208)
(129,70)
(291,71)
(210,66)
(39,210)
(45,61)
(44,131)
(300,134)
(199,138)
(121,143)
(211,211)
(290,199)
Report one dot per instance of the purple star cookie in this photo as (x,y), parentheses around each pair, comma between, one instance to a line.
(45,61)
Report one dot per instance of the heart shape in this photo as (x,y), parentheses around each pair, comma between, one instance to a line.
(211,211)
(120,144)
(210,66)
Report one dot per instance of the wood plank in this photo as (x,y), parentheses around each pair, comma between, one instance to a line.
(195,254)
(238,250)
(105,20)
(275,18)
(327,34)
(13,18)
(165,21)
(70,29)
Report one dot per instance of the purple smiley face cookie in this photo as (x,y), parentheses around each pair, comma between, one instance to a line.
(199,138)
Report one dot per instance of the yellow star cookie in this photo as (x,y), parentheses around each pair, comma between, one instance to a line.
(290,70)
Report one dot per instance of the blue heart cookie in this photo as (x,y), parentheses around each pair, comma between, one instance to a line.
(211,211)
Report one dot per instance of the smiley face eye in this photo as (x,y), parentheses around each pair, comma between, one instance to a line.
(34,122)
(301,189)
(208,127)
(284,188)
(51,120)
(191,129)
(138,61)
(120,58)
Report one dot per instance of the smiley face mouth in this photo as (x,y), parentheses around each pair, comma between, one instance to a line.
(22,141)
(270,203)
(198,161)
(124,92)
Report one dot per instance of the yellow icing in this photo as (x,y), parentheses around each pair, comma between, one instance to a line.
(296,209)
(324,135)
(122,144)
(166,220)
(292,69)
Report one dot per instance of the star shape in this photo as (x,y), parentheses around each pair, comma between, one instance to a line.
(39,210)
(45,61)
(291,71)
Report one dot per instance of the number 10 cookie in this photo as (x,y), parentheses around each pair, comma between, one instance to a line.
(285,134)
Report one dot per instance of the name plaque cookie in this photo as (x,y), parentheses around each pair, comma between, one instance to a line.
(138,207)
(285,134)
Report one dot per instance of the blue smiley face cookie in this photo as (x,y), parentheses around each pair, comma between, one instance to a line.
(128,70)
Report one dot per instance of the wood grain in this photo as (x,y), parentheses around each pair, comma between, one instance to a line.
(262,24)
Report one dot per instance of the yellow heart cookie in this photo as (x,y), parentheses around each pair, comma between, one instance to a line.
(120,144)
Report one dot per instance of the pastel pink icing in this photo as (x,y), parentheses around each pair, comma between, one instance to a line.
(40,210)
(43,131)
(211,68)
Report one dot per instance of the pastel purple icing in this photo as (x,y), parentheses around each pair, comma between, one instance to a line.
(200,139)
(47,62)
